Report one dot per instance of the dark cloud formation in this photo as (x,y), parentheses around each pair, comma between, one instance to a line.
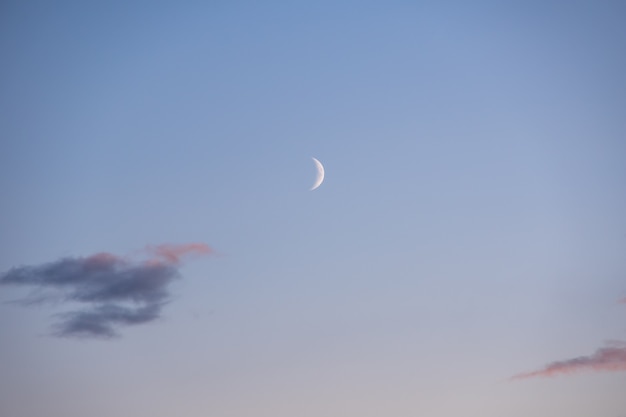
(113,291)
(609,358)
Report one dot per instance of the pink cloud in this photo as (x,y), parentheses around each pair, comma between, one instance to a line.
(172,254)
(611,358)
(102,257)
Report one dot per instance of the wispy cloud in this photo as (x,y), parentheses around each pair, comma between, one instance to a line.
(172,253)
(112,290)
(609,358)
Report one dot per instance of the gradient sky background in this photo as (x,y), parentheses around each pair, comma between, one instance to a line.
(471,226)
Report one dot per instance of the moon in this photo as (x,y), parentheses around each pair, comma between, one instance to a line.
(320,174)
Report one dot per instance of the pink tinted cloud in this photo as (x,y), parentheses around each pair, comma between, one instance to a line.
(610,358)
(173,254)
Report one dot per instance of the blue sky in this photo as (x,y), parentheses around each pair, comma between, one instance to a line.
(470,226)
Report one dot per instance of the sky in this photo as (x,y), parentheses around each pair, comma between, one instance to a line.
(161,252)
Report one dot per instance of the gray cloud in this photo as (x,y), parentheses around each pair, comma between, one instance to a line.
(113,291)
(101,321)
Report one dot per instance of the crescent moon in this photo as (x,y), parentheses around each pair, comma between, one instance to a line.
(320,174)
